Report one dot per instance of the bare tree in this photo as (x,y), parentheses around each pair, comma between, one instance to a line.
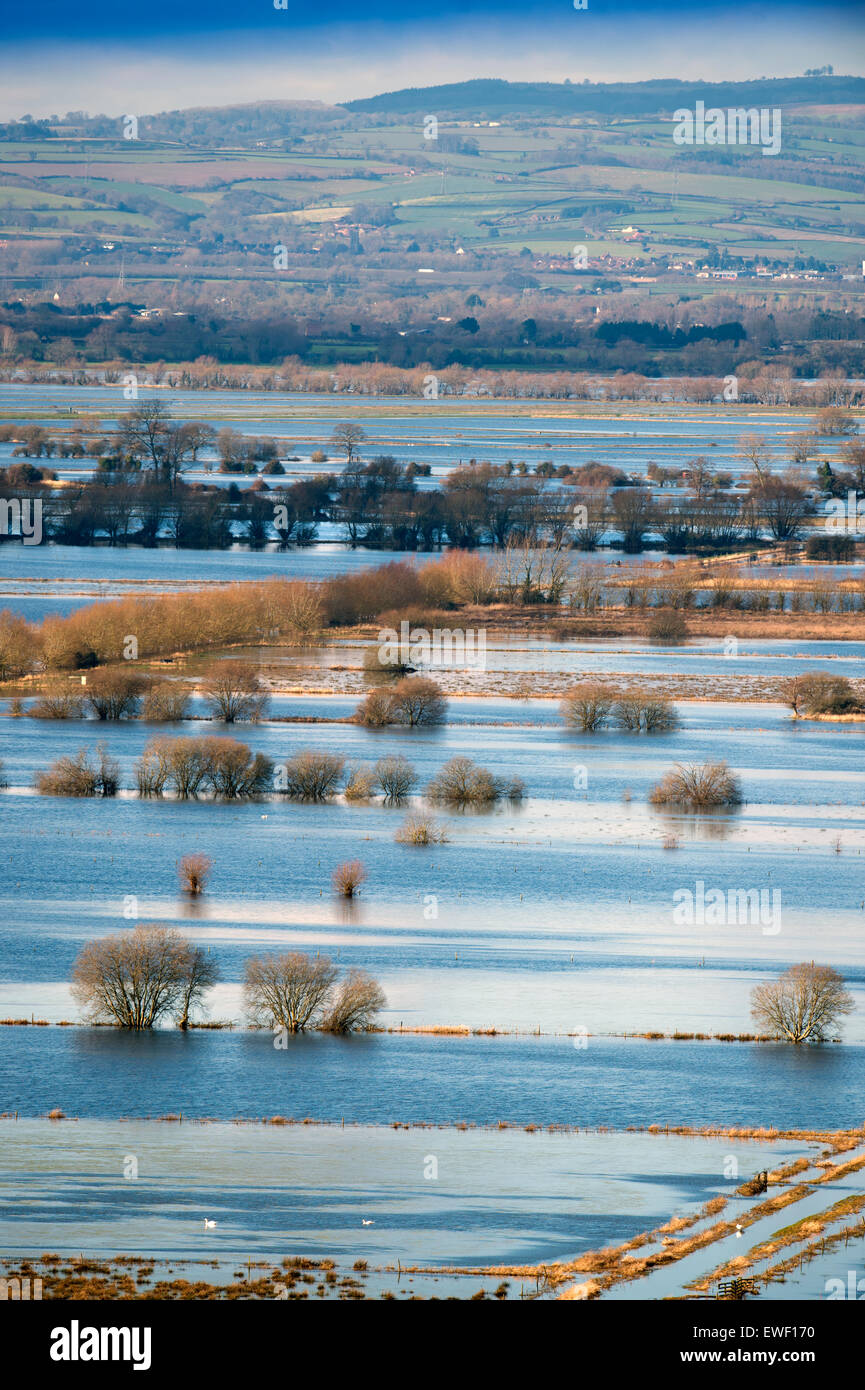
(587,706)
(346,438)
(202,972)
(417,700)
(234,691)
(136,978)
(806,1004)
(395,776)
(287,991)
(359,998)
(194,871)
(115,694)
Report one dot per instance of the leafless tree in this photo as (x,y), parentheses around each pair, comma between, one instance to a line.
(234,691)
(138,977)
(287,991)
(358,1000)
(194,870)
(416,700)
(587,706)
(346,439)
(806,1004)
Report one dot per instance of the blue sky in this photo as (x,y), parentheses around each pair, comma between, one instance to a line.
(117,56)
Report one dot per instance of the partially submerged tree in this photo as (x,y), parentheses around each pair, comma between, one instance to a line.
(234,692)
(462,782)
(90,772)
(348,877)
(417,701)
(136,978)
(587,706)
(224,768)
(194,871)
(641,711)
(310,775)
(395,777)
(806,1004)
(421,830)
(357,1002)
(166,702)
(287,991)
(115,694)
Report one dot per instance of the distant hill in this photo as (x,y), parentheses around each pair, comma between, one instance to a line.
(490,96)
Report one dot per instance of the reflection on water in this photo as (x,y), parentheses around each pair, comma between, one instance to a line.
(101,1073)
(433,1196)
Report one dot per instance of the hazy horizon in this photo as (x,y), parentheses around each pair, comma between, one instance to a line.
(108,61)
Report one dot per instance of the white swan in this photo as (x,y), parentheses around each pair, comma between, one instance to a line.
(208,1225)
(366,1223)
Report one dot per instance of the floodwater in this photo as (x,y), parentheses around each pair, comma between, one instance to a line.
(433,1197)
(563,911)
(441,432)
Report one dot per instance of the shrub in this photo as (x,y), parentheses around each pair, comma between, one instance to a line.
(669,628)
(463,783)
(417,701)
(395,777)
(86,774)
(166,703)
(194,870)
(348,877)
(58,704)
(698,787)
(234,692)
(421,830)
(587,706)
(114,694)
(358,1001)
(360,784)
(638,710)
(310,775)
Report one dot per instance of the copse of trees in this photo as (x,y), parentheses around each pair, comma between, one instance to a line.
(592,705)
(189,767)
(137,978)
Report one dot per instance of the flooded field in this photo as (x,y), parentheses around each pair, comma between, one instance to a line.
(554,984)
